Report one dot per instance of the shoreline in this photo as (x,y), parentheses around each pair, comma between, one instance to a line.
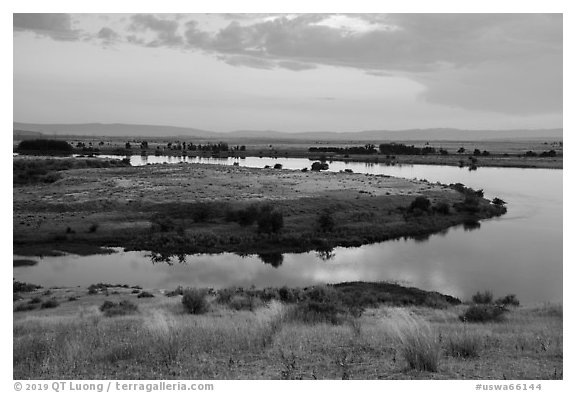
(463,160)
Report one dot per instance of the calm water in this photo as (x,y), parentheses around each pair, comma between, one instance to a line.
(519,253)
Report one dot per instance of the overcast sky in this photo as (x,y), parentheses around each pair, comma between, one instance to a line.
(309,72)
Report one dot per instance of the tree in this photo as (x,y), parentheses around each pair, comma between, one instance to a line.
(326,221)
(269,220)
(421,203)
(461,150)
(128,145)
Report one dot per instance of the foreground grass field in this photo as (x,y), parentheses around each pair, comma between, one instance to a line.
(161,340)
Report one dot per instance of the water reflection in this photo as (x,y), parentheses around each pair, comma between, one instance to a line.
(325,254)
(471,225)
(274,259)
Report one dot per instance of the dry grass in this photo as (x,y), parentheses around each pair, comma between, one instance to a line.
(163,341)
(416,339)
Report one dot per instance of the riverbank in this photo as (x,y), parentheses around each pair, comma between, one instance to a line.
(195,208)
(502,154)
(286,333)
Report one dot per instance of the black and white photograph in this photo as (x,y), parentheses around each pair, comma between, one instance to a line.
(287,196)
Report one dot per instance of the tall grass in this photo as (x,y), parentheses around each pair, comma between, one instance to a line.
(463,343)
(416,340)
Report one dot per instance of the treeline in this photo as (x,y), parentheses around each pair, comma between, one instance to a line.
(384,148)
(366,149)
(44,145)
(402,149)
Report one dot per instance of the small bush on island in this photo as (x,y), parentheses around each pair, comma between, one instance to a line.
(194,301)
(420,203)
(113,309)
(270,220)
(483,313)
(319,166)
(442,208)
(498,202)
(326,221)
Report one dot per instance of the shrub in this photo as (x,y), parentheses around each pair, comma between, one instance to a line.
(124,307)
(247,216)
(421,203)
(498,202)
(277,166)
(319,166)
(145,294)
(35,300)
(93,228)
(50,303)
(194,301)
(18,286)
(72,298)
(483,313)
(443,208)
(322,304)
(270,221)
(482,298)
(25,307)
(326,221)
(463,344)
(508,300)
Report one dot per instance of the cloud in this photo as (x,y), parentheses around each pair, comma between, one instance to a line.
(248,61)
(510,63)
(108,35)
(295,66)
(507,63)
(55,26)
(165,31)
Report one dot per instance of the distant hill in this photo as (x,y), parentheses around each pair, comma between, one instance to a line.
(20,134)
(98,129)
(136,130)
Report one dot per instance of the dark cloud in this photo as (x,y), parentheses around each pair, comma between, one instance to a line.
(296,66)
(108,35)
(248,61)
(166,31)
(55,26)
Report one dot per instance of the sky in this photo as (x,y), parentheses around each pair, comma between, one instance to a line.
(290,72)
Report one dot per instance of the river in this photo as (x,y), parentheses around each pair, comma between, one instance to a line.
(519,253)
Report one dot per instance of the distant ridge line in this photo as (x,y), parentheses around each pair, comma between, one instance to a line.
(159,131)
